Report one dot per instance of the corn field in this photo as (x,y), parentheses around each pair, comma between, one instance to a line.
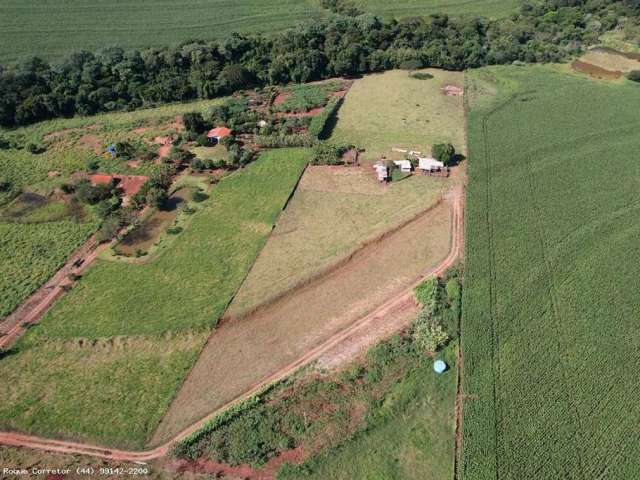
(550,327)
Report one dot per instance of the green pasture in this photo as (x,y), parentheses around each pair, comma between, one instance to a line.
(53,29)
(550,337)
(392,109)
(178,294)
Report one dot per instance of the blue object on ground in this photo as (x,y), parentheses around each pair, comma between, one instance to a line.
(439,366)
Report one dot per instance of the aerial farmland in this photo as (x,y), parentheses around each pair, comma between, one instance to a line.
(329,239)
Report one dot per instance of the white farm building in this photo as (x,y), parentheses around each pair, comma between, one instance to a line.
(428,164)
(403,165)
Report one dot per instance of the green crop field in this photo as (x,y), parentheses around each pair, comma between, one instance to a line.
(409,8)
(53,29)
(106,360)
(550,329)
(392,109)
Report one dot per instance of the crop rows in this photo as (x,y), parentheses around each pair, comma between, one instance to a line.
(551,272)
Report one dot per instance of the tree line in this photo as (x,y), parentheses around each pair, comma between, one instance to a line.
(347,43)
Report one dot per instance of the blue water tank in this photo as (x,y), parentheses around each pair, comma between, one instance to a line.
(439,366)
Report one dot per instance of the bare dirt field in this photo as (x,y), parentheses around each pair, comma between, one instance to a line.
(242,353)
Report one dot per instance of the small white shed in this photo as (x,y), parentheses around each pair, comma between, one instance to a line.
(429,164)
(403,165)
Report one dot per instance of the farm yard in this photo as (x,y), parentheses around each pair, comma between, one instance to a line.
(394,109)
(106,331)
(550,336)
(54,29)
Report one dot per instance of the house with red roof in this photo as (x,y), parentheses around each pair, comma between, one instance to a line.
(216,134)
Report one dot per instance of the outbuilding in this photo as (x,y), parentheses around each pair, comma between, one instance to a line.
(403,165)
(382,170)
(216,134)
(429,164)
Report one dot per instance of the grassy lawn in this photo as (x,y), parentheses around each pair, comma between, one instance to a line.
(116,306)
(411,8)
(392,109)
(333,211)
(218,152)
(52,29)
(552,273)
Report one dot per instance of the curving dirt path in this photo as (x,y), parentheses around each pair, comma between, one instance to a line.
(455,196)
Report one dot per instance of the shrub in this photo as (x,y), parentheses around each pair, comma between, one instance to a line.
(319,123)
(5,185)
(107,206)
(35,148)
(325,153)
(109,228)
(199,196)
(421,75)
(429,334)
(634,75)
(87,193)
(174,230)
(67,188)
(92,164)
(427,294)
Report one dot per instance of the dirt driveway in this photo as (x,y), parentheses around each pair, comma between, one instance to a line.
(243,353)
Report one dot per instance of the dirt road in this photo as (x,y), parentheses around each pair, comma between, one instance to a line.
(20,440)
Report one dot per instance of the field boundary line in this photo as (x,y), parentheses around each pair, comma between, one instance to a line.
(59,446)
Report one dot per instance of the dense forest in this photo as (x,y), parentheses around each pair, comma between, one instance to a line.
(347,43)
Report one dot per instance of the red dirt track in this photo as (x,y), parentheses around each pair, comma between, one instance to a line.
(455,196)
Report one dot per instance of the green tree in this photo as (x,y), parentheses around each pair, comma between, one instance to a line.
(193,122)
(444,152)
(156,197)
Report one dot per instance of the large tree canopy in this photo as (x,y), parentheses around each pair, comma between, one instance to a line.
(346,43)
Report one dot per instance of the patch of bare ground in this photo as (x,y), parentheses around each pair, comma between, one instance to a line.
(595,71)
(244,472)
(243,353)
(92,142)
